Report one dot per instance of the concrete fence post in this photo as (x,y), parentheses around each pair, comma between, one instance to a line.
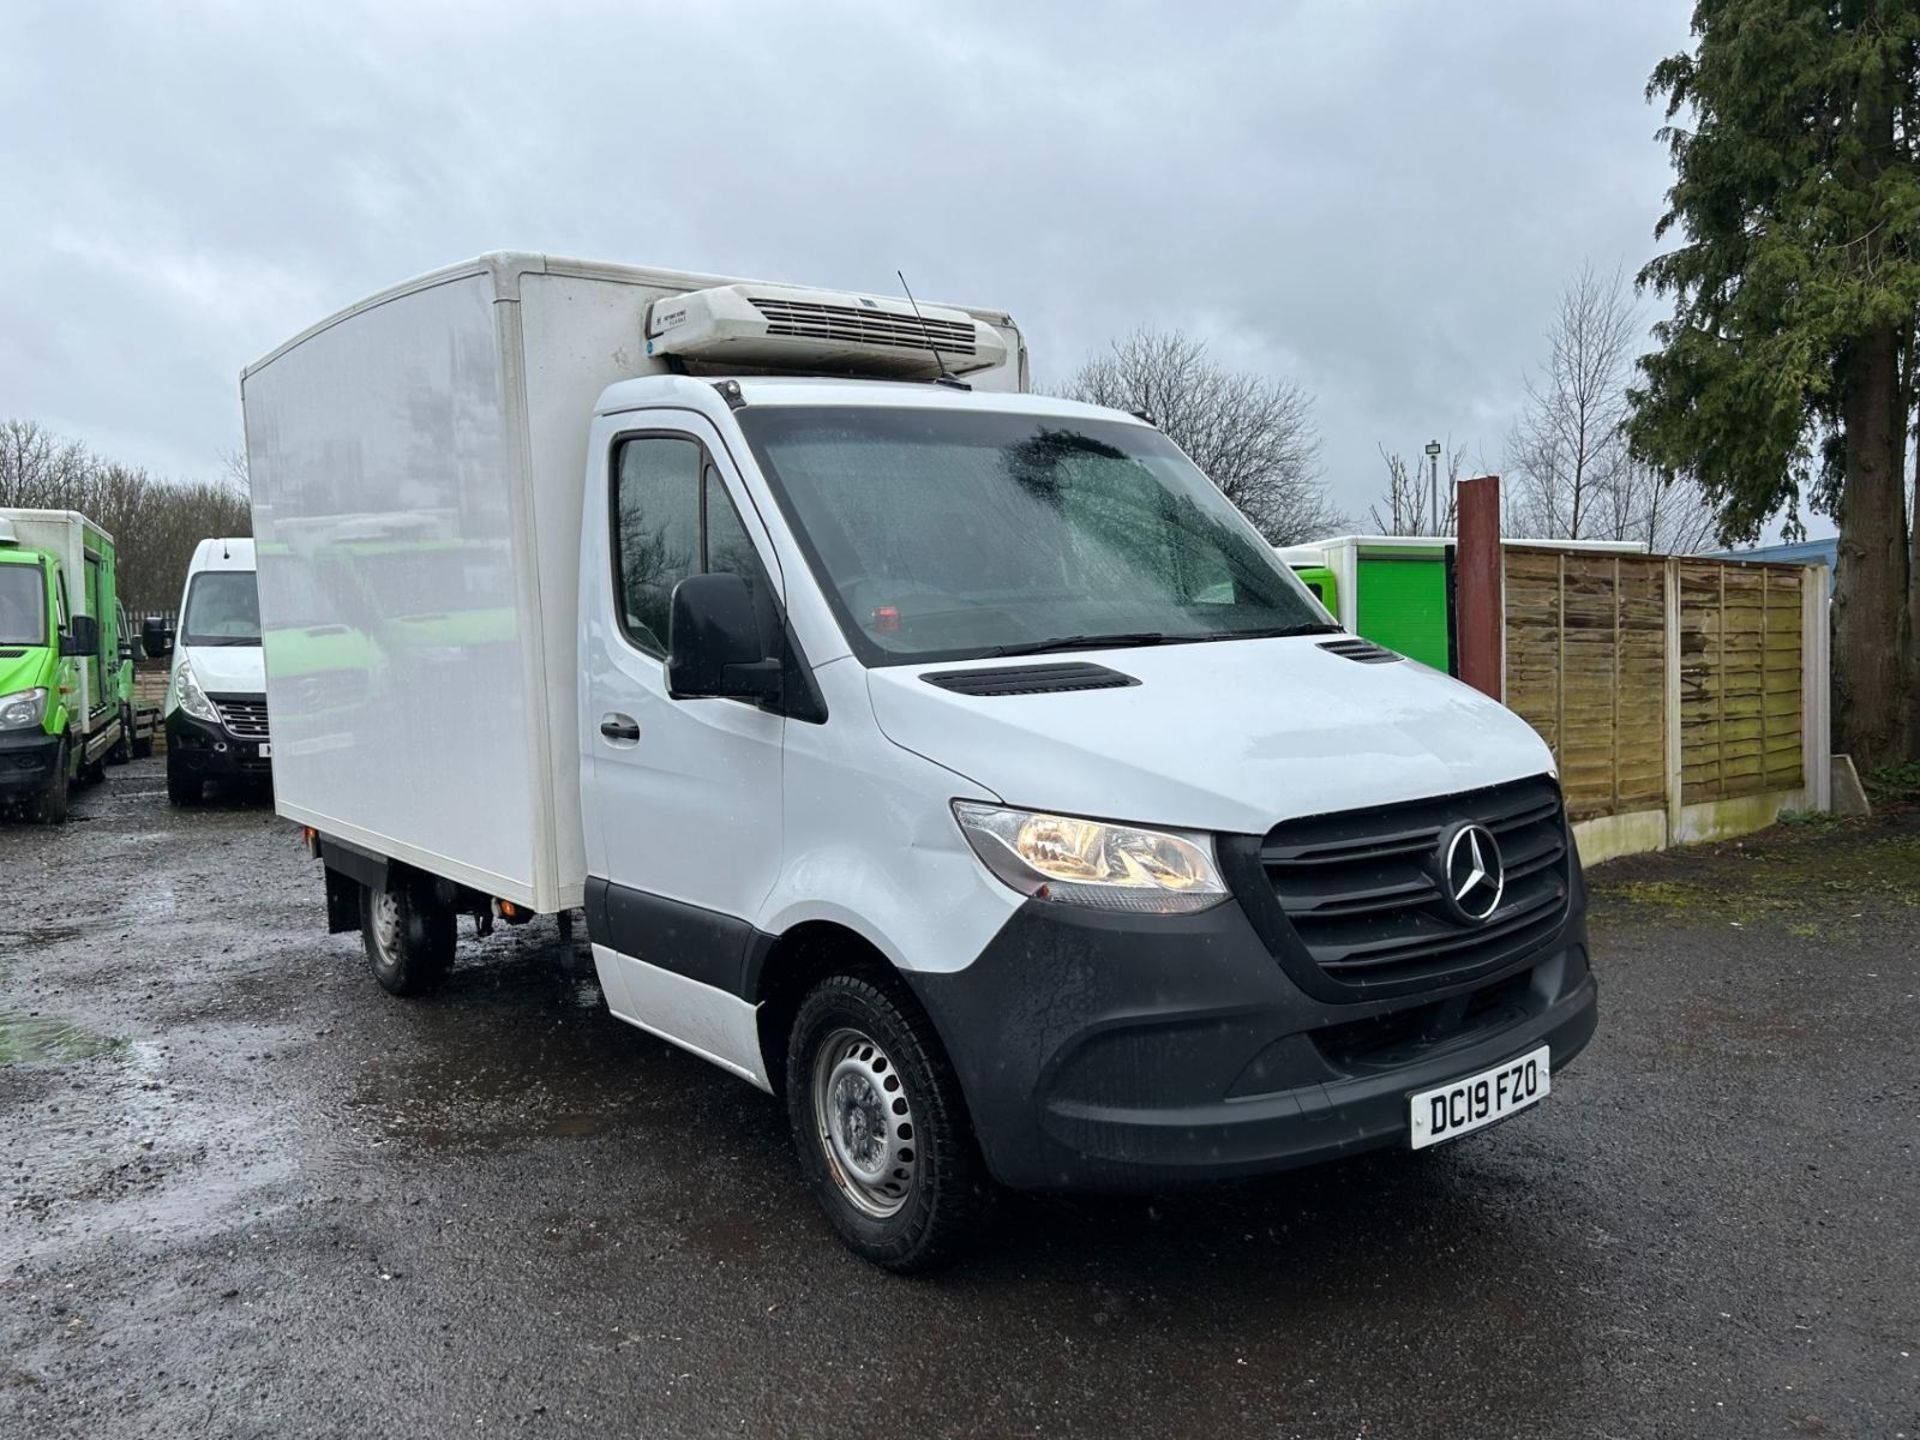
(1816,688)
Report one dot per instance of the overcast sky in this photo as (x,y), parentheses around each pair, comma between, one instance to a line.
(1379,200)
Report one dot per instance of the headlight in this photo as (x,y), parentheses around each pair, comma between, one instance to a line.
(188,695)
(23,708)
(1093,862)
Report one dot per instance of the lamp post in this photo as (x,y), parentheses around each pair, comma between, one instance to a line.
(1433,466)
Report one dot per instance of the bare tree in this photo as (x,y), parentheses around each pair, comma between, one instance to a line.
(1410,504)
(36,469)
(1253,436)
(155,523)
(1570,472)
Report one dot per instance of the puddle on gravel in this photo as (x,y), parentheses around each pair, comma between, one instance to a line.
(30,1039)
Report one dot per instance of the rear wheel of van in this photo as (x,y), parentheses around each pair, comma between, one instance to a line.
(409,935)
(122,750)
(51,806)
(183,786)
(881,1127)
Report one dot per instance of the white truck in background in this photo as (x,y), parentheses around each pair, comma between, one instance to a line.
(216,705)
(954,762)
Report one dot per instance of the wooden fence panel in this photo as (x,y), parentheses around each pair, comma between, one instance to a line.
(1586,667)
(1740,676)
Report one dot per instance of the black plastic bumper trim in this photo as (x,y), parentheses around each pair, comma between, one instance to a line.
(27,758)
(1104,1052)
(718,950)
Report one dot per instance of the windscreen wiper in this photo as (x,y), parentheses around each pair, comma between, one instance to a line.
(1311,627)
(1089,642)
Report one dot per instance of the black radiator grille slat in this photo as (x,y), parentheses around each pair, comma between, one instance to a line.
(1363,893)
(244,716)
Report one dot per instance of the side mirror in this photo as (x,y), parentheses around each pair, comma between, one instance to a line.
(82,636)
(714,644)
(156,638)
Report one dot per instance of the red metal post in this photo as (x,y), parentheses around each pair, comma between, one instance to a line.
(1479,603)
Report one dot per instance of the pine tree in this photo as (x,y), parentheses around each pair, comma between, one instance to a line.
(1787,370)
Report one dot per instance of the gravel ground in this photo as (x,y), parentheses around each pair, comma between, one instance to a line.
(242,1192)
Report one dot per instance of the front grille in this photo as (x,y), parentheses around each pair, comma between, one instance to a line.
(245,716)
(1363,889)
(851,325)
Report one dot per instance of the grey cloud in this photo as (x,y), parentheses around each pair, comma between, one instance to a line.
(1379,200)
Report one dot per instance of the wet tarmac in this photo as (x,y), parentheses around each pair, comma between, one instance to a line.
(244,1193)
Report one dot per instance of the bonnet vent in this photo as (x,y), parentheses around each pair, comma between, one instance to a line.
(1364,651)
(1029,679)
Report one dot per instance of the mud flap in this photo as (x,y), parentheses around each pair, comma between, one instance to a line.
(343,902)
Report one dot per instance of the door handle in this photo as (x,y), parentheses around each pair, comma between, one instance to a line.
(619,727)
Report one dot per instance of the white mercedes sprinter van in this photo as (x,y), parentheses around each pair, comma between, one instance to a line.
(216,706)
(956,764)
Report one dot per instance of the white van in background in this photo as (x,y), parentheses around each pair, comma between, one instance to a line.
(956,763)
(216,707)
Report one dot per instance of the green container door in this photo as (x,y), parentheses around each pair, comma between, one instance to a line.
(1403,605)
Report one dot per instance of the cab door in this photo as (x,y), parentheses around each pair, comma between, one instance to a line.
(684,828)
(71,684)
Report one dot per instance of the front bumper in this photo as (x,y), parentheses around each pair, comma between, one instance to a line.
(201,747)
(27,758)
(1106,1052)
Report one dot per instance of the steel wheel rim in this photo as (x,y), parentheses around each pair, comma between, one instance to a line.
(864,1119)
(386,924)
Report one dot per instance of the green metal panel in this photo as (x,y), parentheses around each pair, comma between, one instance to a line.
(1403,604)
(1320,581)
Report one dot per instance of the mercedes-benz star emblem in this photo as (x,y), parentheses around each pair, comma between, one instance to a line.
(1475,877)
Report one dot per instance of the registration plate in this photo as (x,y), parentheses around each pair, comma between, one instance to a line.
(1463,1106)
(266,750)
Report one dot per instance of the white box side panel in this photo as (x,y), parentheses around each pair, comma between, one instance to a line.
(581,334)
(379,454)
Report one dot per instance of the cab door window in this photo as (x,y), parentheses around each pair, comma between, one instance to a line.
(671,518)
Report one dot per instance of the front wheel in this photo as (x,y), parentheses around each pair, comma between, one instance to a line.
(409,935)
(50,808)
(882,1129)
(183,786)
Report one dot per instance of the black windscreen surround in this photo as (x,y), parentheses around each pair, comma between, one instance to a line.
(943,534)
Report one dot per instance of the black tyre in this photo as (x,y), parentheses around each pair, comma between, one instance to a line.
(409,935)
(50,805)
(882,1129)
(122,750)
(183,786)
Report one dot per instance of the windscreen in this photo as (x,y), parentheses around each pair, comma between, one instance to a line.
(23,605)
(954,534)
(223,608)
